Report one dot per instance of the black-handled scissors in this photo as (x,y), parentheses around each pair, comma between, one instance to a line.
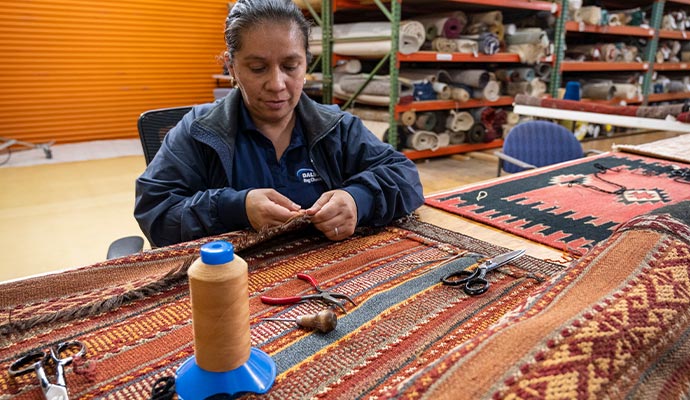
(61,354)
(475,281)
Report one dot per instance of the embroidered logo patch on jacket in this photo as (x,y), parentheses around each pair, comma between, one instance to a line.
(308,175)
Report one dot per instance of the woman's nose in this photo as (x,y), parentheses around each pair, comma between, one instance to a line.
(276,80)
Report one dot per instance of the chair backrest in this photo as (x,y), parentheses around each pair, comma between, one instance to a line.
(540,143)
(154,124)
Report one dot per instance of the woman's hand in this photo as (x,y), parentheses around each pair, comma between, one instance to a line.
(334,214)
(267,208)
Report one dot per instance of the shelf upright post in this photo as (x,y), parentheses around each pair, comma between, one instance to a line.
(394,17)
(317,18)
(558,49)
(327,50)
(651,48)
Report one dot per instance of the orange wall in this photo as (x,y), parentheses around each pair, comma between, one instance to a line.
(76,70)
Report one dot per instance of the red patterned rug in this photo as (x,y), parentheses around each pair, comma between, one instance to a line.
(615,324)
(134,314)
(574,205)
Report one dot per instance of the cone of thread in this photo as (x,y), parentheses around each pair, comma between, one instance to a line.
(220,314)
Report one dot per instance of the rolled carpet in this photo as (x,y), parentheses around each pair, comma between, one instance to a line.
(423,140)
(445,26)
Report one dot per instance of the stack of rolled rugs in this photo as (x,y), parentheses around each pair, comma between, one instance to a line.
(482,33)
(451,32)
(432,130)
(595,15)
(461,85)
(664,84)
(459,32)
(608,52)
(421,84)
(609,89)
(679,112)
(667,51)
(672,51)
(369,39)
(676,20)
(373,90)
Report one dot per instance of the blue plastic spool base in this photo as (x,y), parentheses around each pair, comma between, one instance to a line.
(254,376)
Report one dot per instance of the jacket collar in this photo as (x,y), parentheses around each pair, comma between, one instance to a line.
(316,119)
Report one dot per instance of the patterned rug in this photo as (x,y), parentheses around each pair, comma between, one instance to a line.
(134,314)
(573,205)
(674,149)
(614,324)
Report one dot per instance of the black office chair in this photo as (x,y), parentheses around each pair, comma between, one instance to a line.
(153,125)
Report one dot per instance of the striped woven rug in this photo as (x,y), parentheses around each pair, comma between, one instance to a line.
(408,337)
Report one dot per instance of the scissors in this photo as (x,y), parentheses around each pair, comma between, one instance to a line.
(61,354)
(475,281)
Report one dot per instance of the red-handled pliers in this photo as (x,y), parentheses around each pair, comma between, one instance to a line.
(323,295)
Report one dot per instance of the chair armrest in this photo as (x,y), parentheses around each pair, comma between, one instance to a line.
(513,160)
(125,246)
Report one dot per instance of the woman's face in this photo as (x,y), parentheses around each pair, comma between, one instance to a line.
(269,69)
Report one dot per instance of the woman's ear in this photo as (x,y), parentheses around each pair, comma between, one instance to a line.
(228,65)
(226,60)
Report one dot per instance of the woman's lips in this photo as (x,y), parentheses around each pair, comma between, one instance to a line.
(275,104)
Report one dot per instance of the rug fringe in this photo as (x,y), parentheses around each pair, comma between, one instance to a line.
(241,240)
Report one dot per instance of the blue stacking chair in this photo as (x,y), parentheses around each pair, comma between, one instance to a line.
(538,143)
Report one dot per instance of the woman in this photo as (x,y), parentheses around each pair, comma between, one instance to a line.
(266,152)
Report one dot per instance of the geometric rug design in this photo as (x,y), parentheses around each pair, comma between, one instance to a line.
(573,205)
(613,324)
(134,313)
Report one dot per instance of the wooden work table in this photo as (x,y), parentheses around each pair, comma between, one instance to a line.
(486,233)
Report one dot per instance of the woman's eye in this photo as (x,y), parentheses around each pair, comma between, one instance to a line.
(290,67)
(256,69)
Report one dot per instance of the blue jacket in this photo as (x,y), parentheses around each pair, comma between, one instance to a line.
(183,194)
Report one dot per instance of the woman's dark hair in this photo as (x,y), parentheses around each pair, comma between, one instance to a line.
(247,13)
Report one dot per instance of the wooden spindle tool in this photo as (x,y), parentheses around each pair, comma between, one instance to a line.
(324,321)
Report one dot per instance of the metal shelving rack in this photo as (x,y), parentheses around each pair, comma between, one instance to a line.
(394,58)
(647,66)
